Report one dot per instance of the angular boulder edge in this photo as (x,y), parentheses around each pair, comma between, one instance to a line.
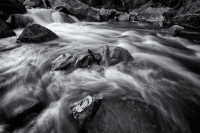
(35,33)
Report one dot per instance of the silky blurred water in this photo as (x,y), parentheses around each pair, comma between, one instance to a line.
(165,73)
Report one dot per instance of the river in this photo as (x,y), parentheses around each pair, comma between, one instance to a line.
(165,73)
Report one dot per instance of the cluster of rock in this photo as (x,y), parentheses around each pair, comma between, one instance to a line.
(92,60)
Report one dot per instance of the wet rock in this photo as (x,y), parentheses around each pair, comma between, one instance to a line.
(175,30)
(11,7)
(124,17)
(5,31)
(61,62)
(118,55)
(19,21)
(115,115)
(115,56)
(96,56)
(35,33)
(85,109)
(84,61)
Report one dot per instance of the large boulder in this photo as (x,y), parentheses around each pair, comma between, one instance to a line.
(11,7)
(35,33)
(114,115)
(85,109)
(5,31)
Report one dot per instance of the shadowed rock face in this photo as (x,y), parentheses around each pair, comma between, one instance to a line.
(11,7)
(5,31)
(136,117)
(35,33)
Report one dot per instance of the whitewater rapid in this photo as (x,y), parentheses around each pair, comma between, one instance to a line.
(165,74)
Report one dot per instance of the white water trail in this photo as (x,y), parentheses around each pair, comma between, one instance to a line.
(155,76)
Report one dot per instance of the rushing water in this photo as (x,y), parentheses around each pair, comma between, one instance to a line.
(165,73)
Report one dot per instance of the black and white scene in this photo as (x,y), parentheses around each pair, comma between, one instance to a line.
(99,66)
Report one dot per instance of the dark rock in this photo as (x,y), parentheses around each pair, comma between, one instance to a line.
(11,7)
(5,31)
(62,9)
(84,61)
(61,62)
(115,115)
(96,56)
(175,30)
(93,15)
(168,17)
(124,17)
(85,109)
(19,21)
(35,33)
(3,15)
(117,55)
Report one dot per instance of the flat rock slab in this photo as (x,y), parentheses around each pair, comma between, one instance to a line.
(35,33)
(5,31)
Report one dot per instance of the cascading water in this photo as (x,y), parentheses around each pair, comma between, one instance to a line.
(165,74)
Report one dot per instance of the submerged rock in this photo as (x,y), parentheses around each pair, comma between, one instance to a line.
(5,31)
(61,62)
(35,33)
(85,109)
(175,30)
